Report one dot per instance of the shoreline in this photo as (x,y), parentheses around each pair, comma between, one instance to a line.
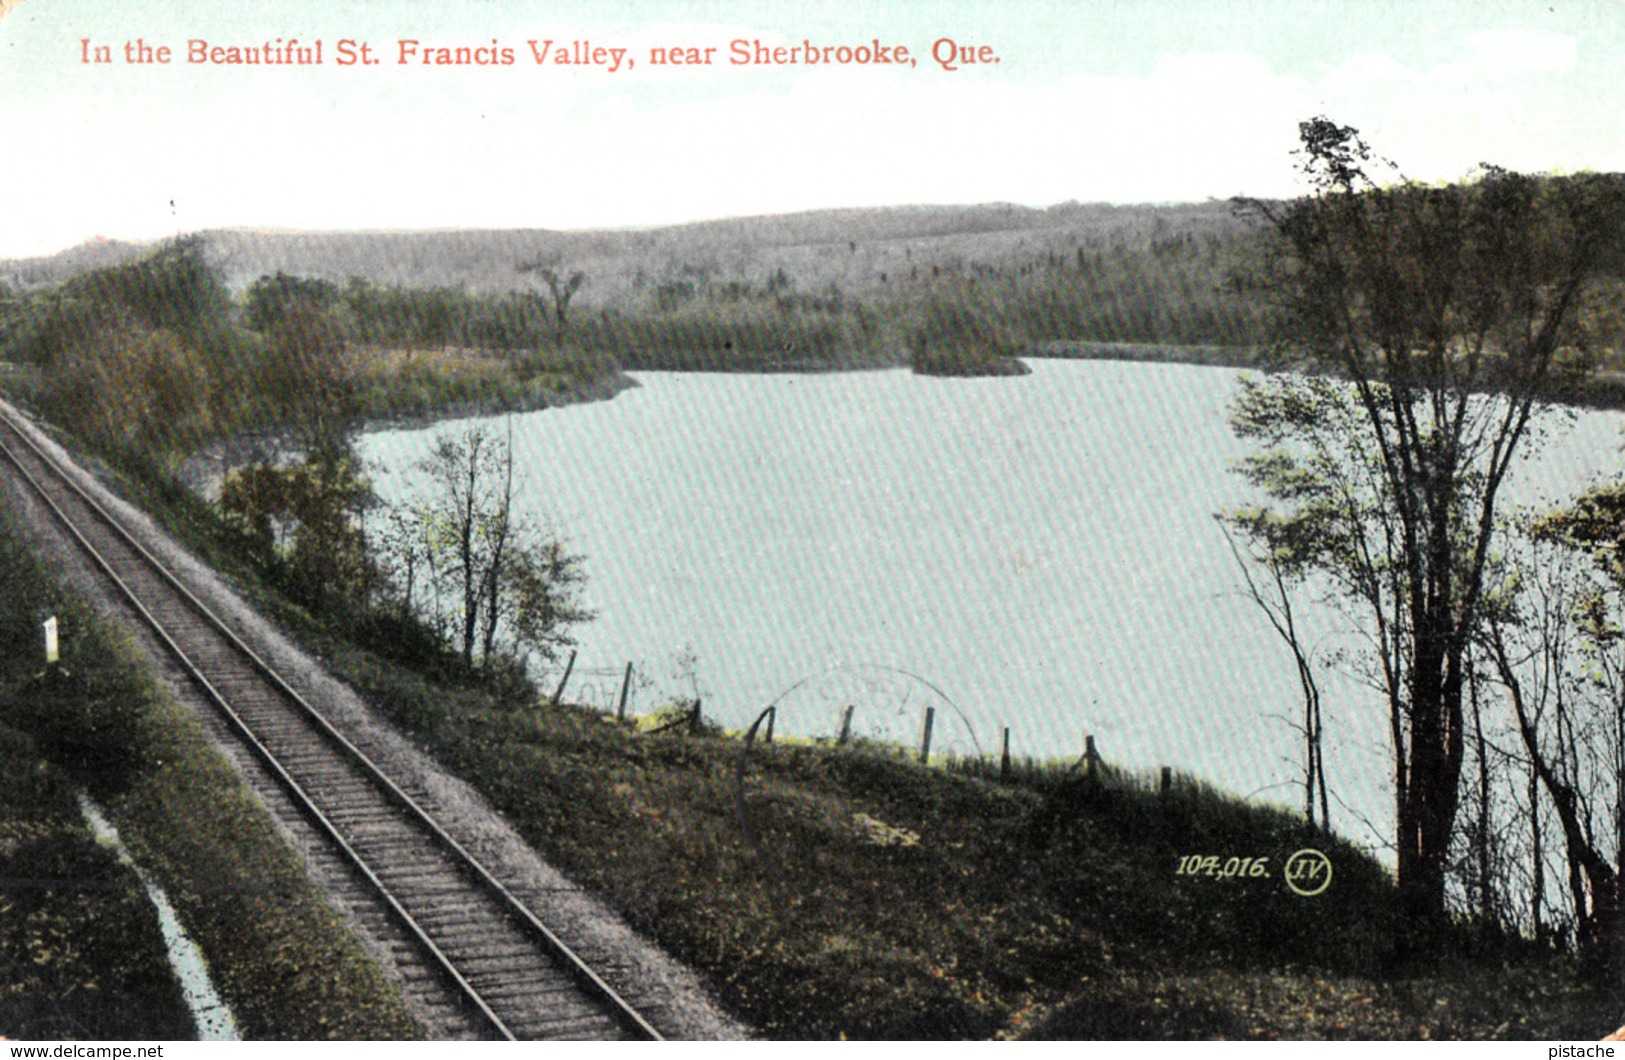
(1603,392)
(202,471)
(1145,353)
(604,388)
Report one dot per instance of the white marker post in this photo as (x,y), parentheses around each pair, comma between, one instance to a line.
(51,653)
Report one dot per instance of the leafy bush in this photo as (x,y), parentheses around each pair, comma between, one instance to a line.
(132,388)
(270,300)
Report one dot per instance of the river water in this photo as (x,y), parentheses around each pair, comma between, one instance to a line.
(1038,552)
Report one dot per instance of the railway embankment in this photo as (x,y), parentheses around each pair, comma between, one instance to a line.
(102,719)
(590,927)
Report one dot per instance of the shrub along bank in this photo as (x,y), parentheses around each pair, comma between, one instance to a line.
(147,360)
(279,955)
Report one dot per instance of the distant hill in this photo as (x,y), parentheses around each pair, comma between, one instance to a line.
(852,249)
(96,253)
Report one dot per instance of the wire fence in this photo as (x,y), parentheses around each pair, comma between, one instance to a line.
(847,704)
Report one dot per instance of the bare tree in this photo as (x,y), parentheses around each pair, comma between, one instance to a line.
(1559,669)
(1275,600)
(497,576)
(561,286)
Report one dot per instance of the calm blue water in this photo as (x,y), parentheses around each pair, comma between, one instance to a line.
(1037,552)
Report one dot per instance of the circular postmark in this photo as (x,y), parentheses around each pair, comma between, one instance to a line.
(1308,872)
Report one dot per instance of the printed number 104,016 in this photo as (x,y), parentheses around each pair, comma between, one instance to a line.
(1222,868)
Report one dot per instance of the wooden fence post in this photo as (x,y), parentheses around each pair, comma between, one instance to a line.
(626,686)
(1004,756)
(694,719)
(925,735)
(559,691)
(1091,758)
(1167,780)
(772,716)
(846,726)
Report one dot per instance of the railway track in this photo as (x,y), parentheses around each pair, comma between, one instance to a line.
(513,977)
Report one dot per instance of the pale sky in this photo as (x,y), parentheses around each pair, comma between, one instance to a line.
(1137,101)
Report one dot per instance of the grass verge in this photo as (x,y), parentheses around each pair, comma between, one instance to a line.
(80,951)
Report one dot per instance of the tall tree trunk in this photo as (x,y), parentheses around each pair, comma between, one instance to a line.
(1437,752)
(1538,887)
(496,575)
(1594,884)
(467,532)
(1481,840)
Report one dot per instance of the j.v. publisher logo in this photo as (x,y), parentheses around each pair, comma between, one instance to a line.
(1308,872)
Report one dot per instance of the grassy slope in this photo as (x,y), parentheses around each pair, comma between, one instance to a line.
(885,899)
(80,951)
